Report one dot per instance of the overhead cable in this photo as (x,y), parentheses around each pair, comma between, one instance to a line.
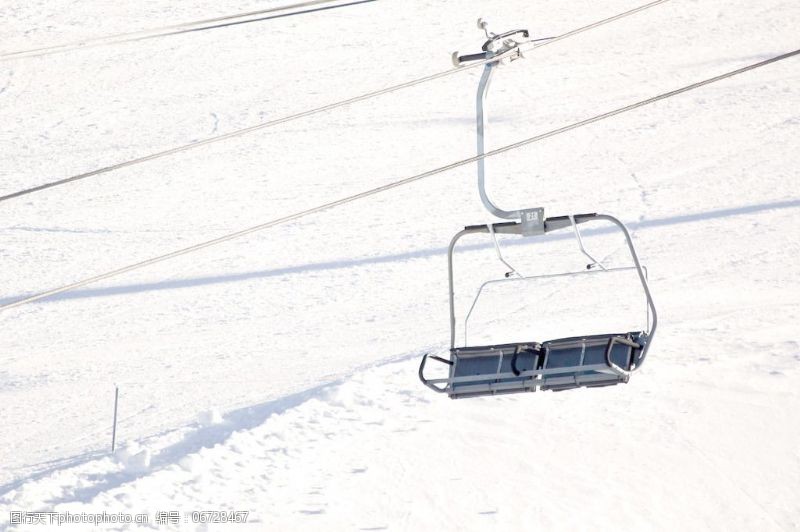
(383,188)
(310,112)
(186,27)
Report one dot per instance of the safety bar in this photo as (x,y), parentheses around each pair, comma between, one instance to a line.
(429,383)
(550,225)
(625,374)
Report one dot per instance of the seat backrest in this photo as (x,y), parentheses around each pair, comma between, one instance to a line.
(587,352)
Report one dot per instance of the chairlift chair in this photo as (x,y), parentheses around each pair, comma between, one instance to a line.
(527,366)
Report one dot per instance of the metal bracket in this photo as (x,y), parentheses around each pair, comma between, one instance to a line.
(532,221)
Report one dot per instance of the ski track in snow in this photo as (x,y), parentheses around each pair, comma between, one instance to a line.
(253,458)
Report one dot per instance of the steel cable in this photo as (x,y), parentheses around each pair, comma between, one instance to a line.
(314,111)
(176,29)
(394,184)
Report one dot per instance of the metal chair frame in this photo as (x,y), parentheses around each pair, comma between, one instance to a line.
(623,352)
(536,377)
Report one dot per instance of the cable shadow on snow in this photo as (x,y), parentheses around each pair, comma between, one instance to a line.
(250,417)
(397,257)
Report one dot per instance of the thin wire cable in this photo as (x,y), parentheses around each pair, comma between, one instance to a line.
(176,29)
(593,25)
(310,112)
(394,184)
(271,17)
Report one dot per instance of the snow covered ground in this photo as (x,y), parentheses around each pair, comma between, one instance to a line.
(276,374)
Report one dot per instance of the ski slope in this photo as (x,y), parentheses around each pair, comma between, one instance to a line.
(276,374)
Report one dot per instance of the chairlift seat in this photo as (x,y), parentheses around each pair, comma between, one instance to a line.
(487,370)
(561,364)
(563,356)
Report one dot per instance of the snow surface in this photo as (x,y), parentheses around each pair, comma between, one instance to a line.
(277,374)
